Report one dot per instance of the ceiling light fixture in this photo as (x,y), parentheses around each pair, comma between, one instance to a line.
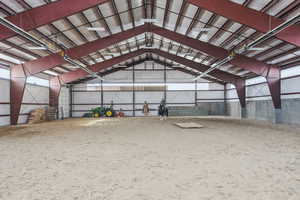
(111,54)
(149,20)
(36,48)
(149,47)
(96,29)
(257,49)
(202,29)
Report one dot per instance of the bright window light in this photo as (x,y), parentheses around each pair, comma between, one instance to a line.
(37,81)
(10,59)
(293,71)
(50,73)
(4,73)
(181,86)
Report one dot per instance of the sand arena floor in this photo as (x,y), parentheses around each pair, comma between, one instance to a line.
(148,159)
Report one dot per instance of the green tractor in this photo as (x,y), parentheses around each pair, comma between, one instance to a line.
(103,112)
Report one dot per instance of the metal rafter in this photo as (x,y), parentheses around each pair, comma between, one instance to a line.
(250,17)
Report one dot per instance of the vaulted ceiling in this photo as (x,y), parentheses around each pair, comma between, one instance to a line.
(178,31)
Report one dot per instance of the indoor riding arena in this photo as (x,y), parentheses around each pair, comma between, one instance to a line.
(149,99)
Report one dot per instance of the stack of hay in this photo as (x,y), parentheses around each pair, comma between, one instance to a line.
(42,114)
(37,115)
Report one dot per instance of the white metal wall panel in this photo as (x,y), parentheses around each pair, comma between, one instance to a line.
(4,109)
(174,104)
(149,76)
(4,98)
(177,76)
(4,89)
(117,97)
(290,72)
(85,107)
(64,102)
(118,77)
(214,94)
(26,109)
(4,121)
(180,97)
(78,114)
(33,94)
(86,97)
(290,85)
(216,86)
(36,94)
(150,97)
(257,90)
(231,95)
(23,119)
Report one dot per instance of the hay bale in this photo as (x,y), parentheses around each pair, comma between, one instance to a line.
(37,116)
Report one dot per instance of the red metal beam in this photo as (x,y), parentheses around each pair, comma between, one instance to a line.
(250,64)
(18,78)
(255,19)
(240,86)
(53,60)
(227,77)
(54,90)
(274,83)
(46,14)
(77,74)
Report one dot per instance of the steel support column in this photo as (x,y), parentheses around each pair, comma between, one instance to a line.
(165,83)
(196,92)
(133,91)
(18,79)
(54,91)
(102,94)
(225,100)
(240,86)
(71,101)
(274,83)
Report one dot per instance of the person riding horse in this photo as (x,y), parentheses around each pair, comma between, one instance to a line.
(163,110)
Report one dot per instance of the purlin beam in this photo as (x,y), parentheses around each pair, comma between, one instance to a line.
(255,19)
(36,17)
